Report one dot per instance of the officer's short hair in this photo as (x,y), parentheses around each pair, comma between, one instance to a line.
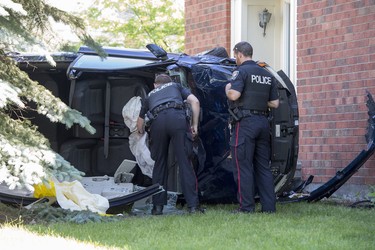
(162,79)
(244,47)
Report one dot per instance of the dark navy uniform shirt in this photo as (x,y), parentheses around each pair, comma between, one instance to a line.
(258,79)
(168,92)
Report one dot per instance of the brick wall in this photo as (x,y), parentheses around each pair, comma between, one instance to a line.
(207,25)
(336,64)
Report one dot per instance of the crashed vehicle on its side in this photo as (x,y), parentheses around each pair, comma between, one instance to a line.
(99,88)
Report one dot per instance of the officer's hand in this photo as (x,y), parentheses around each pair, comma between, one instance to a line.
(140,125)
(194,131)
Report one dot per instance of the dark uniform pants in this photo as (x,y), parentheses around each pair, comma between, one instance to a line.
(250,148)
(171,126)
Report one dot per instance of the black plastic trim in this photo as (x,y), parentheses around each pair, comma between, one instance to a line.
(114,203)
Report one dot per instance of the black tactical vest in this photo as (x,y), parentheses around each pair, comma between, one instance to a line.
(169,92)
(256,92)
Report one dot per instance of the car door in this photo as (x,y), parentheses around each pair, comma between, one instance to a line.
(284,134)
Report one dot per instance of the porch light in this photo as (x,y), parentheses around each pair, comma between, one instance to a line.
(264,18)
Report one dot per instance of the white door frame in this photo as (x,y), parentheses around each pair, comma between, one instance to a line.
(280,48)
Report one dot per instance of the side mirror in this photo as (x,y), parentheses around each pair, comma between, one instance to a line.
(157,51)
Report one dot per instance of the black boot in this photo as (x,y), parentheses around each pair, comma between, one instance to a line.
(196,210)
(157,210)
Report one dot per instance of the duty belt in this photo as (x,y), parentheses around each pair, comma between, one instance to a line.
(167,105)
(247,112)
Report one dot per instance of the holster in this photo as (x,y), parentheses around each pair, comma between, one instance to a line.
(236,115)
(149,117)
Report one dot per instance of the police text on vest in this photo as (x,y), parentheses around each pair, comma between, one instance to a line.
(261,79)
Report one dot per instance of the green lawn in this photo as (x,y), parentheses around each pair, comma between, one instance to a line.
(319,225)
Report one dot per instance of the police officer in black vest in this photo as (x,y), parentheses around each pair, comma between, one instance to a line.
(164,106)
(251,92)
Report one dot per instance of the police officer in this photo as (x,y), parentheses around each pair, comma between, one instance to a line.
(165,108)
(251,91)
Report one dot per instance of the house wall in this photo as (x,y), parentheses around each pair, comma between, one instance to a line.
(335,66)
(207,25)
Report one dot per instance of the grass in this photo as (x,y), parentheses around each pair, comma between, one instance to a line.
(319,225)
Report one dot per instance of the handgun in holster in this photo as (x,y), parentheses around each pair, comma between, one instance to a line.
(235,114)
(149,117)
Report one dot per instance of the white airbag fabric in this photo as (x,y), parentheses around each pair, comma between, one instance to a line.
(73,196)
(137,142)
